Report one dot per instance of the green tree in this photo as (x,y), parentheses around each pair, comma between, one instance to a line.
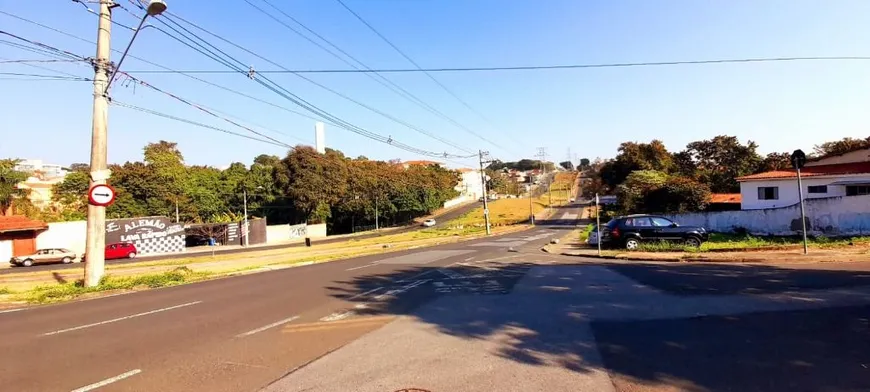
(71,195)
(9,180)
(633,191)
(677,195)
(721,160)
(775,161)
(636,156)
(841,146)
(584,163)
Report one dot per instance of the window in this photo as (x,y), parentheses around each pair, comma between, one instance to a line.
(857,190)
(661,222)
(768,193)
(817,189)
(637,222)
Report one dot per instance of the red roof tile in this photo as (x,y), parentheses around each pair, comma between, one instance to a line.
(20,223)
(726,198)
(813,171)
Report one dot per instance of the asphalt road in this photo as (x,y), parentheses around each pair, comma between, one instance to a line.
(440,219)
(231,334)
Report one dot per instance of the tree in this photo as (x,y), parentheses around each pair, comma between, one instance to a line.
(70,195)
(9,180)
(632,193)
(635,156)
(841,146)
(678,195)
(775,161)
(584,163)
(721,160)
(80,167)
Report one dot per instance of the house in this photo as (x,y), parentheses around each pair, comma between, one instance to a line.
(724,202)
(18,236)
(48,170)
(40,187)
(470,184)
(840,175)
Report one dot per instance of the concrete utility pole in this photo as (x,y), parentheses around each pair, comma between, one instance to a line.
(485,193)
(542,154)
(245,222)
(96,234)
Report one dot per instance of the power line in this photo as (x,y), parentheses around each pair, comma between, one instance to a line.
(302,103)
(35,61)
(171,117)
(352,100)
(550,67)
(410,60)
(44,76)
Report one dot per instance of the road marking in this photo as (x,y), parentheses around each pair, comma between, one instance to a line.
(108,381)
(361,267)
(119,319)
(402,289)
(470,258)
(12,310)
(364,294)
(263,328)
(337,316)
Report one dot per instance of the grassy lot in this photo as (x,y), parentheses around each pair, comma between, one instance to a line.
(504,212)
(726,242)
(584,234)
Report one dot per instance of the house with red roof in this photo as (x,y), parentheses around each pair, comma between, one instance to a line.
(840,175)
(18,236)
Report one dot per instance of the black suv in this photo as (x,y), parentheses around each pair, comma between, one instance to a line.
(629,231)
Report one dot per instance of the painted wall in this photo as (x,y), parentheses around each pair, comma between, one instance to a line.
(69,235)
(470,185)
(842,215)
(788,190)
(286,233)
(459,200)
(5,251)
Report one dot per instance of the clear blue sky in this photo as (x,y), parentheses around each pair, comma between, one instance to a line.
(781,106)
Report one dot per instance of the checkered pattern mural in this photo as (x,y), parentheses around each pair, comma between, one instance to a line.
(168,244)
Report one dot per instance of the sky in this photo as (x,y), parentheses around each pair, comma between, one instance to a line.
(781,106)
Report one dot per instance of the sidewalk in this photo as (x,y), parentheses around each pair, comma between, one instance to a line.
(570,245)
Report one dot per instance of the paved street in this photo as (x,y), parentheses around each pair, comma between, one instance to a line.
(489,314)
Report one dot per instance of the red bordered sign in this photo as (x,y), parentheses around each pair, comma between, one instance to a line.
(101,195)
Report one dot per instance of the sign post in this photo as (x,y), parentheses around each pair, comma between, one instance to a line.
(798,159)
(598,224)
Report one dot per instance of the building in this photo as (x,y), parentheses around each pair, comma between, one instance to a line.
(48,170)
(470,184)
(40,189)
(18,236)
(840,175)
(724,202)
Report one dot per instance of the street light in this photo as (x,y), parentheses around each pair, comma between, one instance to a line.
(155,7)
(96,224)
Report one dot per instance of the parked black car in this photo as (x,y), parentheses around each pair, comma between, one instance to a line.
(629,231)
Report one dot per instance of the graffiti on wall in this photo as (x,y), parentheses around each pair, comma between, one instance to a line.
(298,231)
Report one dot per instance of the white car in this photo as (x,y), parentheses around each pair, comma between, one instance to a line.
(429,222)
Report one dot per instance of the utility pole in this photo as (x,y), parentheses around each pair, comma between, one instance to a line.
(96,226)
(542,154)
(485,193)
(376,213)
(176,210)
(245,208)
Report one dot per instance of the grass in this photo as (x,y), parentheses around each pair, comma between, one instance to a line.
(735,242)
(66,291)
(5,290)
(585,233)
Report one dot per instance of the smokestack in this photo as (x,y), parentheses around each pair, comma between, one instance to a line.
(319,138)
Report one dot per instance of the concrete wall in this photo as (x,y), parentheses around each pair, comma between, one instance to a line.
(459,200)
(843,215)
(5,250)
(788,190)
(284,233)
(69,235)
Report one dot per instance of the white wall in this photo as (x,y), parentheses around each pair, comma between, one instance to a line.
(285,233)
(470,184)
(788,192)
(317,231)
(277,233)
(854,156)
(844,215)
(69,235)
(5,250)
(459,200)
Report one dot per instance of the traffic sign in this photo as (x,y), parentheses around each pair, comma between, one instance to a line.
(101,195)
(798,159)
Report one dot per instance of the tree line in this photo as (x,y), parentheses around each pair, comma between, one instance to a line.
(647,178)
(303,186)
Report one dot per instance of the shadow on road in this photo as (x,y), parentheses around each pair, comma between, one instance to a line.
(573,317)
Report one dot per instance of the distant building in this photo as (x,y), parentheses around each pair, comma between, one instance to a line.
(470,183)
(408,164)
(48,170)
(839,175)
(724,202)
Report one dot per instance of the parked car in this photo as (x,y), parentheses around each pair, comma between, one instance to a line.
(120,250)
(630,231)
(43,256)
(429,222)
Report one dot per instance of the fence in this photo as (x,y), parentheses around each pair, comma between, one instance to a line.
(842,215)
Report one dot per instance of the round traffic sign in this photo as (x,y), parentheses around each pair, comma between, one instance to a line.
(101,195)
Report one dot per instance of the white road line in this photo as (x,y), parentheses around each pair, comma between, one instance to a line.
(263,328)
(364,294)
(470,258)
(361,267)
(108,381)
(337,316)
(120,319)
(12,310)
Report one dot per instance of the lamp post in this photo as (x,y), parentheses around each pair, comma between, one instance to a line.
(96,226)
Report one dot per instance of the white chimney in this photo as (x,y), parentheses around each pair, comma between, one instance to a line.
(319,138)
